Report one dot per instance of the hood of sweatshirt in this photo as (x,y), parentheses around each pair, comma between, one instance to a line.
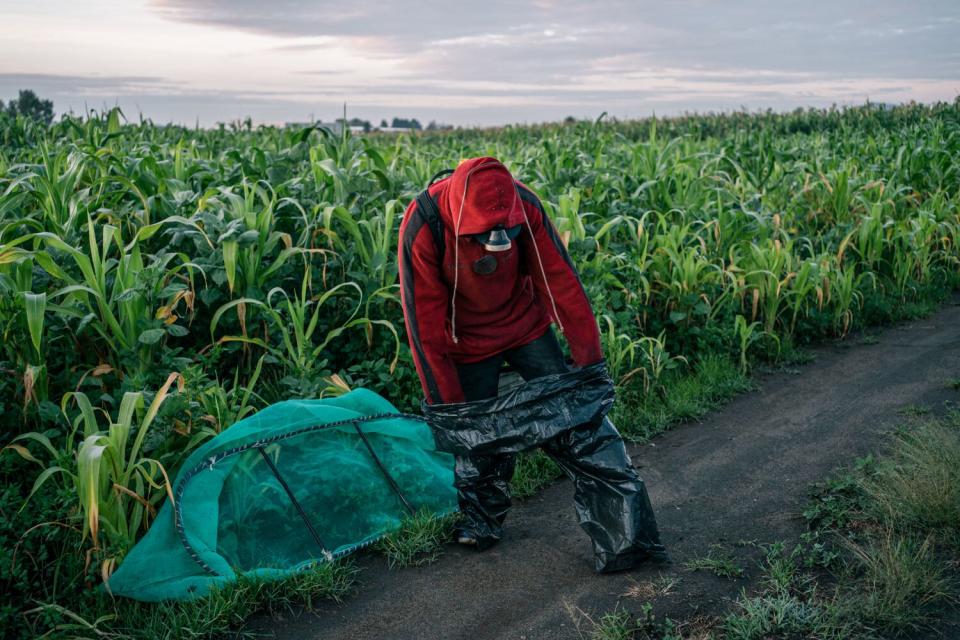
(480,195)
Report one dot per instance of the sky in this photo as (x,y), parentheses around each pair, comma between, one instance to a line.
(481,63)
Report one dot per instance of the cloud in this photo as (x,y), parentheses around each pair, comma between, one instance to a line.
(864,37)
(58,84)
(500,61)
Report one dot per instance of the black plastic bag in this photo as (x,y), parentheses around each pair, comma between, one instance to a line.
(565,415)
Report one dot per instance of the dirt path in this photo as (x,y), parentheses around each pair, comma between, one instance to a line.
(741,474)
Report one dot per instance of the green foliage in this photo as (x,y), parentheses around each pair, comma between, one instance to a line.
(117,486)
(223,611)
(714,379)
(418,541)
(901,582)
(534,471)
(261,263)
(840,499)
(616,625)
(918,486)
(886,529)
(718,562)
(779,615)
(29,105)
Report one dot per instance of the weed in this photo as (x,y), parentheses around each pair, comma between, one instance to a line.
(780,615)
(714,379)
(718,562)
(418,540)
(224,609)
(621,624)
(534,471)
(914,410)
(663,585)
(901,583)
(839,500)
(918,487)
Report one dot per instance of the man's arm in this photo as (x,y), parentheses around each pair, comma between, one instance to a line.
(425,299)
(570,305)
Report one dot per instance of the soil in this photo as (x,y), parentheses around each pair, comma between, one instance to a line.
(739,477)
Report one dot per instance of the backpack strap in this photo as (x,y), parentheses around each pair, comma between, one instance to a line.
(427,208)
(430,213)
(438,175)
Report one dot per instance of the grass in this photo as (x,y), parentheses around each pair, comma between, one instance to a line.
(663,585)
(534,471)
(919,485)
(719,562)
(618,624)
(880,559)
(711,382)
(621,624)
(418,541)
(224,610)
(894,521)
(914,410)
(899,583)
(776,615)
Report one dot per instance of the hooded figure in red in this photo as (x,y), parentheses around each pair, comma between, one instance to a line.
(473,311)
(488,291)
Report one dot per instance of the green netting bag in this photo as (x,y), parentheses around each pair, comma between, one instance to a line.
(299,482)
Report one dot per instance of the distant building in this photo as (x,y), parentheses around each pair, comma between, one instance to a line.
(357,126)
(336,128)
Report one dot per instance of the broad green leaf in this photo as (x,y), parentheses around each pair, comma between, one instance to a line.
(45,475)
(230,262)
(36,306)
(151,336)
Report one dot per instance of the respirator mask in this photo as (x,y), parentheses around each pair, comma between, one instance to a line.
(495,240)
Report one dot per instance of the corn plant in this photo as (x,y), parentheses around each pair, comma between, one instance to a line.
(847,296)
(372,239)
(117,487)
(656,361)
(251,248)
(297,321)
(748,334)
(120,240)
(621,352)
(120,288)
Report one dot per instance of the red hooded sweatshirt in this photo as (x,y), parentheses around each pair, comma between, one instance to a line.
(456,315)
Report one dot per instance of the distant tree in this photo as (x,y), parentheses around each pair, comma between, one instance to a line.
(383,124)
(569,120)
(29,105)
(404,123)
(357,122)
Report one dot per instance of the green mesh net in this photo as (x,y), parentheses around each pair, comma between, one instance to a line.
(299,482)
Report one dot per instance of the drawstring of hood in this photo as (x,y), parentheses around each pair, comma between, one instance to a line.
(536,250)
(456,250)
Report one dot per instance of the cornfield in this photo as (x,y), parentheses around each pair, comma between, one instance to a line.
(250,265)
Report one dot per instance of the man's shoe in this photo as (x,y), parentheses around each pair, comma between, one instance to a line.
(466,538)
